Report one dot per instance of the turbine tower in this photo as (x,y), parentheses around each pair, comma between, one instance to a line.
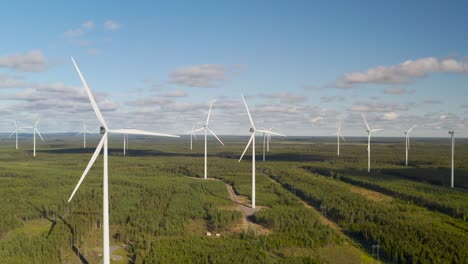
(266,141)
(408,145)
(125,142)
(103,144)
(16,131)
(253,130)
(206,129)
(35,130)
(369,133)
(338,135)
(452,178)
(192,135)
(84,132)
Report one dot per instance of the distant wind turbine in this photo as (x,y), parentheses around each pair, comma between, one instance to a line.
(266,141)
(125,142)
(206,129)
(35,130)
(253,130)
(16,131)
(408,145)
(192,135)
(452,178)
(369,133)
(338,135)
(103,144)
(84,132)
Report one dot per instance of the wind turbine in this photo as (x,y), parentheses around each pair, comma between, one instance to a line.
(338,135)
(253,130)
(268,136)
(16,131)
(103,144)
(369,133)
(125,142)
(35,130)
(408,145)
(84,132)
(452,179)
(192,135)
(205,128)
(266,141)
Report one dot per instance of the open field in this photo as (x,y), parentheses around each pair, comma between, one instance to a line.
(160,209)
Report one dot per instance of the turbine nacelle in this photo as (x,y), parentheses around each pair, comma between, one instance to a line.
(452,132)
(102,130)
(251,130)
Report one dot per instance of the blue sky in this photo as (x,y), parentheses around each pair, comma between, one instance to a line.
(302,65)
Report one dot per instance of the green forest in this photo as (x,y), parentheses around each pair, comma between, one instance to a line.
(313,207)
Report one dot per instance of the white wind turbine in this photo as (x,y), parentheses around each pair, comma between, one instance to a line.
(84,132)
(103,144)
(338,135)
(206,129)
(266,141)
(16,131)
(408,145)
(369,133)
(192,135)
(253,130)
(268,136)
(35,130)
(125,142)
(452,178)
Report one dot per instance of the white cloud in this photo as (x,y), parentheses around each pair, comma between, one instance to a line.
(7,81)
(176,93)
(390,116)
(335,98)
(80,31)
(31,61)
(284,97)
(377,107)
(206,75)
(403,72)
(394,90)
(111,25)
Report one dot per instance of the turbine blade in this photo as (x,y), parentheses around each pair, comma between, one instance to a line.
(270,132)
(411,128)
(342,137)
(90,164)
(215,136)
(79,133)
(365,121)
(35,124)
(39,133)
(208,116)
(91,97)
(247,147)
(377,129)
(248,112)
(140,132)
(12,133)
(197,130)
